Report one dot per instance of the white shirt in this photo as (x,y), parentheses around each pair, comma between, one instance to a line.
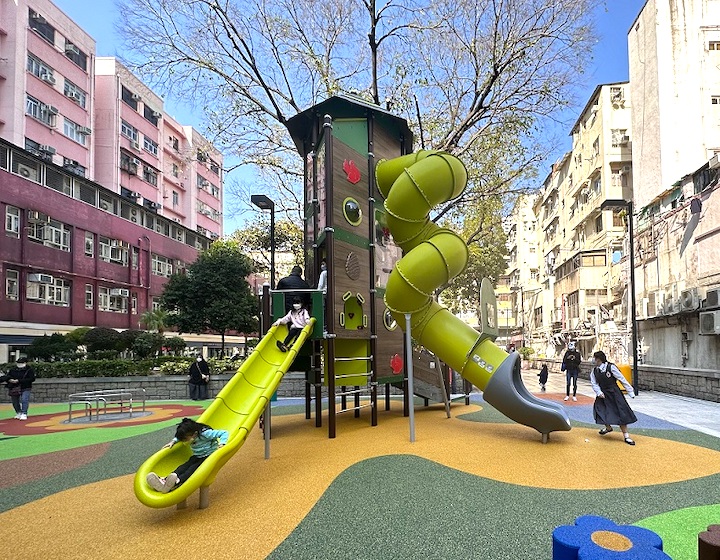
(298,319)
(615,373)
(322,281)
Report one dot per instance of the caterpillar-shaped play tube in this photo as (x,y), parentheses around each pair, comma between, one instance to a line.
(432,256)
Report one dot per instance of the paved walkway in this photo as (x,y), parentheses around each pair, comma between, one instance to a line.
(696,414)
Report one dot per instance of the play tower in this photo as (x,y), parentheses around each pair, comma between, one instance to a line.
(341,140)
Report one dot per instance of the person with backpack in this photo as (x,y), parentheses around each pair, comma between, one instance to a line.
(610,405)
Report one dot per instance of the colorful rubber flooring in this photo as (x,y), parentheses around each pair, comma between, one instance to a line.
(472,486)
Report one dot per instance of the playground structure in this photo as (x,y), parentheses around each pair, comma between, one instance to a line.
(356,156)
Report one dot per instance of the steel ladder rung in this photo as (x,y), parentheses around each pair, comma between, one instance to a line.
(358,359)
(353,408)
(345,375)
(353,392)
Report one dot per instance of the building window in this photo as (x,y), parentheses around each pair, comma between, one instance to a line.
(155,304)
(175,198)
(150,175)
(715,99)
(150,146)
(129,131)
(214,167)
(714,45)
(114,300)
(89,244)
(89,296)
(150,115)
(598,224)
(74,167)
(38,68)
(135,255)
(134,304)
(12,285)
(40,25)
(175,170)
(46,114)
(161,266)
(75,93)
(12,221)
(130,98)
(76,55)
(112,250)
(47,291)
(48,232)
(74,131)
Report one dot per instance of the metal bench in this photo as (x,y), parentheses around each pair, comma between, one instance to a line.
(99,400)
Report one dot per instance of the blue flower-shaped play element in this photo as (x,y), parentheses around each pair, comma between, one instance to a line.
(599,538)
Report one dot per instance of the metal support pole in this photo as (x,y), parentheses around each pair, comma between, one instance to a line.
(272,247)
(409,360)
(633,314)
(266,426)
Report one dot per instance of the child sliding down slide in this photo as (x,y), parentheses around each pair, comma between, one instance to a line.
(203,441)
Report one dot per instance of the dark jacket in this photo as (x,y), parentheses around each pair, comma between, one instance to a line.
(294,282)
(543,375)
(26,376)
(197,370)
(571,360)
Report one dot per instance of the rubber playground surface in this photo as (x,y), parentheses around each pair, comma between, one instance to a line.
(472,486)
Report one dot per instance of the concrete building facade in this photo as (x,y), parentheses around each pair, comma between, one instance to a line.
(674,53)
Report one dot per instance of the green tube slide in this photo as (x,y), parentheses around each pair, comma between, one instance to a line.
(432,256)
(236,409)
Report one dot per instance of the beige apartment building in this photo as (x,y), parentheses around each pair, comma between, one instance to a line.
(674,62)
(581,248)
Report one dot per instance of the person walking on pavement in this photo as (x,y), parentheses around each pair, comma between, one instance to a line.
(19,383)
(571,367)
(610,405)
(294,282)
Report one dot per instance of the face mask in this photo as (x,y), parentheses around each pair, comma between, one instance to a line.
(21,366)
(323,267)
(199,359)
(296,306)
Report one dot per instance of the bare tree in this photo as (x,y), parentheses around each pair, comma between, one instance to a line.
(476,76)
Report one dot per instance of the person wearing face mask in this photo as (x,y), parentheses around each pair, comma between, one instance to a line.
(19,383)
(294,281)
(199,379)
(322,281)
(610,406)
(296,319)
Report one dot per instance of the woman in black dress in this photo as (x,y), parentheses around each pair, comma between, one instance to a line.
(610,405)
(199,377)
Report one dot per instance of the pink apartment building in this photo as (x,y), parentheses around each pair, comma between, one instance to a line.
(103,195)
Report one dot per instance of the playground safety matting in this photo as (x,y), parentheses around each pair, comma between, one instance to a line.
(472,486)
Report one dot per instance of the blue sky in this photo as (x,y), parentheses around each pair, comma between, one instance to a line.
(613,18)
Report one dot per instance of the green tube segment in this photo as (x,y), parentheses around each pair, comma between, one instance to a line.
(432,256)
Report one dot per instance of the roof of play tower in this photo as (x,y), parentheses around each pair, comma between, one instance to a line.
(344,107)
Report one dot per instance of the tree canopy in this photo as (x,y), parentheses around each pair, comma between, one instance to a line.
(213,294)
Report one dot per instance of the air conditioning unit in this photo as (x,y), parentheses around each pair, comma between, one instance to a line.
(135,145)
(712,298)
(122,292)
(134,194)
(27,172)
(48,149)
(668,305)
(75,96)
(136,97)
(71,49)
(157,114)
(710,322)
(41,278)
(132,168)
(214,235)
(34,216)
(48,77)
(134,161)
(153,205)
(689,300)
(84,130)
(37,17)
(53,110)
(104,206)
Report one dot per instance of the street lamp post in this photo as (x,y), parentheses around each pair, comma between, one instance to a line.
(264,203)
(628,204)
